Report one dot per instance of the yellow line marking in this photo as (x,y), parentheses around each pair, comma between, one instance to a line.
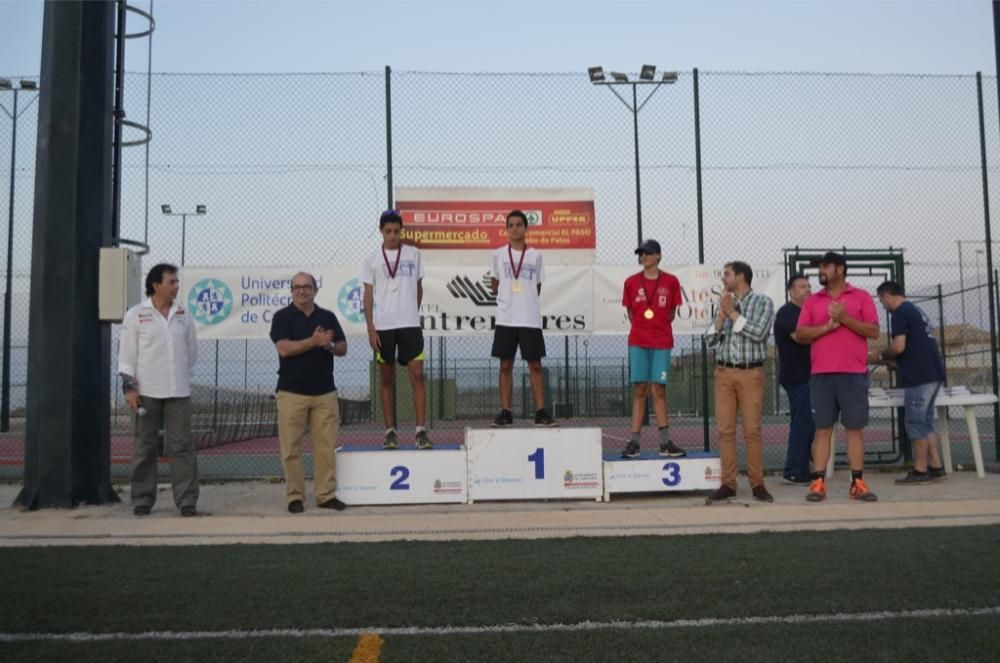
(368,649)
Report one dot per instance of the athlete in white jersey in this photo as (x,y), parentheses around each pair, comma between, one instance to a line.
(517,273)
(393,276)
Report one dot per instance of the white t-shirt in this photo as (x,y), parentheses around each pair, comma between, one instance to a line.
(518,309)
(394,309)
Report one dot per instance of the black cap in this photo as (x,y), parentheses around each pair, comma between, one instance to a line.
(830,257)
(649,246)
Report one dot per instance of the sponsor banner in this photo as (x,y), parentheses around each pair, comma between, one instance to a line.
(458,300)
(469,218)
(534,464)
(235,302)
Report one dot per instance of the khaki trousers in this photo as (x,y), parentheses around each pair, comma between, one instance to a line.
(322,416)
(739,390)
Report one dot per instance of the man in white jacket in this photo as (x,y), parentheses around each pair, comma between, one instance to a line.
(156,354)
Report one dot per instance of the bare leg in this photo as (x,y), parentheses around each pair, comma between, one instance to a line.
(506,382)
(537,388)
(639,391)
(660,404)
(416,371)
(387,373)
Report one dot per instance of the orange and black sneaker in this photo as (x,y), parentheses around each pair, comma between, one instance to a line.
(817,490)
(859,491)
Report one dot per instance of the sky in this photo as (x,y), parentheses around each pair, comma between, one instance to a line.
(953,37)
(750,123)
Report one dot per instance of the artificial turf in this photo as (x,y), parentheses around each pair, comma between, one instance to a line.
(474,583)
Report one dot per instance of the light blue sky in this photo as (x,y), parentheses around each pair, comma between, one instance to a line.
(242,36)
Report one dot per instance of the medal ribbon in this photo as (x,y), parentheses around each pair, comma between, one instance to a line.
(649,302)
(395,268)
(516,270)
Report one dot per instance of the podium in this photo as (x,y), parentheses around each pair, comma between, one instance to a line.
(652,473)
(371,475)
(534,463)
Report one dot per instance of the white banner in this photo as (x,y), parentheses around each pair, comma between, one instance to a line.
(234,302)
(701,287)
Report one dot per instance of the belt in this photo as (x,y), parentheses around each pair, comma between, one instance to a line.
(744,366)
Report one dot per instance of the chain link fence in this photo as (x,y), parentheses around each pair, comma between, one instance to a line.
(294,169)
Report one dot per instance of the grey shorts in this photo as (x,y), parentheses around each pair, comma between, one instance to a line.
(842,396)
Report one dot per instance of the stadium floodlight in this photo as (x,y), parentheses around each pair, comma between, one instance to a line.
(199,210)
(28,84)
(5,84)
(647,76)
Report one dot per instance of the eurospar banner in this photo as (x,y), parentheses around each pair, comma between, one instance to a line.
(456,230)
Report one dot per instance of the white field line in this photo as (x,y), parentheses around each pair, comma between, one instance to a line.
(836,617)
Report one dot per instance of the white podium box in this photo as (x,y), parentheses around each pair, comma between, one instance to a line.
(652,473)
(534,463)
(367,475)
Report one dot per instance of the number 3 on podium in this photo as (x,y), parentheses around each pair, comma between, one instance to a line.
(672,474)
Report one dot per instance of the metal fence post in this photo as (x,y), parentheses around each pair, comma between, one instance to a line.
(989,262)
(701,250)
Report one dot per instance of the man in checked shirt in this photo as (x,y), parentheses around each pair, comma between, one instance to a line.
(739,335)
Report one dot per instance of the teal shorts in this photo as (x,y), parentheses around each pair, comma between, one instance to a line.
(648,365)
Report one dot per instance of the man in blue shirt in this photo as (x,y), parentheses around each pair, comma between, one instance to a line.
(793,375)
(921,374)
(307,338)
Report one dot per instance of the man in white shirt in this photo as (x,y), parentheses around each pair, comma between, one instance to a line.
(157,351)
(516,275)
(393,276)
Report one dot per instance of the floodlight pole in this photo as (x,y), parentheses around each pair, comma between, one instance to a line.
(638,187)
(634,108)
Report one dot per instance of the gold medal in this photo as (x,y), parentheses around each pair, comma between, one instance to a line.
(648,314)
(516,287)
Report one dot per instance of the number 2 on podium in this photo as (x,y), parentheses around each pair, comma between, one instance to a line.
(538,458)
(400,483)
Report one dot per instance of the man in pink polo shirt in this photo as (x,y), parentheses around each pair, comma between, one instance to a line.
(837,321)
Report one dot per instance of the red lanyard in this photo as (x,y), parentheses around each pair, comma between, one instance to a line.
(649,302)
(510,254)
(392,270)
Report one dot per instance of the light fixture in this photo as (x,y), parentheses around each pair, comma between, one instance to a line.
(596,74)
(647,72)
(28,84)
(670,77)
(620,77)
(166,209)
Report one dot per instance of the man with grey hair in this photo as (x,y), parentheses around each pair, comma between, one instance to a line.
(307,338)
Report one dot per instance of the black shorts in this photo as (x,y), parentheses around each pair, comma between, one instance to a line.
(839,395)
(401,345)
(506,340)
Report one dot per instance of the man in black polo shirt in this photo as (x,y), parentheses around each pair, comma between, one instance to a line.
(793,376)
(307,338)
